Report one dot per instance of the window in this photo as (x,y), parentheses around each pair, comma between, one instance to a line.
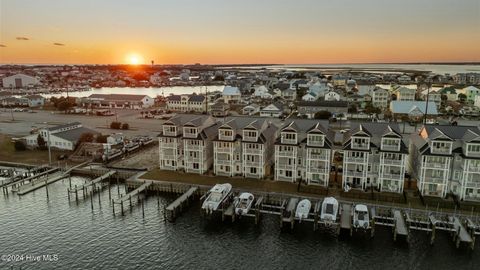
(456,175)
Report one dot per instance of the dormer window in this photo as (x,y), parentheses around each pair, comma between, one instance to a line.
(441,147)
(289,137)
(315,140)
(189,132)
(360,143)
(473,150)
(225,134)
(390,144)
(250,135)
(170,130)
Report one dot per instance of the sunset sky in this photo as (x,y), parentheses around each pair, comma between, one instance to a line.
(247,31)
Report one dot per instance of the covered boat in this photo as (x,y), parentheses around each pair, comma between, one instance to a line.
(303,208)
(215,197)
(361,218)
(329,210)
(243,203)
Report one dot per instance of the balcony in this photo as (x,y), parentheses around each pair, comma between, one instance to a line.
(226,150)
(223,162)
(353,174)
(193,160)
(169,157)
(392,176)
(434,180)
(253,151)
(192,135)
(473,154)
(475,169)
(193,147)
(355,160)
(315,143)
(289,154)
(318,170)
(318,156)
(392,162)
(473,184)
(435,165)
(390,147)
(170,133)
(284,166)
(253,163)
(171,145)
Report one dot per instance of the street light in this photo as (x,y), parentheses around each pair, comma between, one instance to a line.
(48,144)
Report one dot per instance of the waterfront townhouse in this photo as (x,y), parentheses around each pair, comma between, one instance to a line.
(303,151)
(374,156)
(243,146)
(446,159)
(185,143)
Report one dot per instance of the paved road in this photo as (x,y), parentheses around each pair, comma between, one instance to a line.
(25,121)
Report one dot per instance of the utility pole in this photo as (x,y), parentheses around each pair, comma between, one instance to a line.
(11,106)
(428,83)
(48,144)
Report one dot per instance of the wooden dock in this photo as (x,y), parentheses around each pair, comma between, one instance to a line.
(94,184)
(461,234)
(128,196)
(346,216)
(400,227)
(39,183)
(177,206)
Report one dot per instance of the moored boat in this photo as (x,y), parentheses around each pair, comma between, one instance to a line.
(361,218)
(215,197)
(303,208)
(243,203)
(329,210)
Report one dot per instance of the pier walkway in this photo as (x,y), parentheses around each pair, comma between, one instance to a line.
(128,196)
(173,209)
(39,183)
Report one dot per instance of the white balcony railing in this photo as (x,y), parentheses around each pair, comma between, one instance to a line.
(363,146)
(284,166)
(318,170)
(392,176)
(434,165)
(434,180)
(169,145)
(193,147)
(392,162)
(250,138)
(355,160)
(285,154)
(473,168)
(169,133)
(318,156)
(224,150)
(225,138)
(354,174)
(169,157)
(253,151)
(253,163)
(223,162)
(289,141)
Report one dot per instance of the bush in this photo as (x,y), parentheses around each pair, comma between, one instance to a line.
(125,126)
(115,125)
(20,146)
(102,138)
(323,115)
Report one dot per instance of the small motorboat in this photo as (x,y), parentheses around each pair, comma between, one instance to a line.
(216,196)
(361,218)
(243,203)
(329,210)
(303,208)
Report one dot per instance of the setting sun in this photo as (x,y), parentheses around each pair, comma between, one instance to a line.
(134,59)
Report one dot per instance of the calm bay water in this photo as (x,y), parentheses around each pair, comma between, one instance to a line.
(83,239)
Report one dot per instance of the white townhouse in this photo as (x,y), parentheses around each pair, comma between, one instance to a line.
(187,103)
(303,152)
(185,131)
(405,93)
(231,95)
(244,147)
(446,159)
(374,156)
(380,97)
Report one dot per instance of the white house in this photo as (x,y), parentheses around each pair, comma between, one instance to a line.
(231,94)
(19,81)
(251,109)
(62,137)
(272,110)
(262,92)
(309,97)
(332,96)
(120,101)
(35,100)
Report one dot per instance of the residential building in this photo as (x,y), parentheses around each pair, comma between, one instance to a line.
(187,103)
(405,94)
(251,109)
(415,110)
(231,95)
(220,109)
(119,101)
(185,143)
(471,92)
(272,110)
(374,156)
(332,96)
(243,146)
(35,100)
(446,159)
(303,152)
(380,97)
(64,137)
(309,108)
(433,95)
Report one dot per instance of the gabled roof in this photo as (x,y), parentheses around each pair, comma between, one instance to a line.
(405,107)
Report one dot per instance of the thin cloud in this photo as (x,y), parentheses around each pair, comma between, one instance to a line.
(58,44)
(22,38)
(3,46)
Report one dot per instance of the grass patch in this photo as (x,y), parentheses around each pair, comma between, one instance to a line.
(8,153)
